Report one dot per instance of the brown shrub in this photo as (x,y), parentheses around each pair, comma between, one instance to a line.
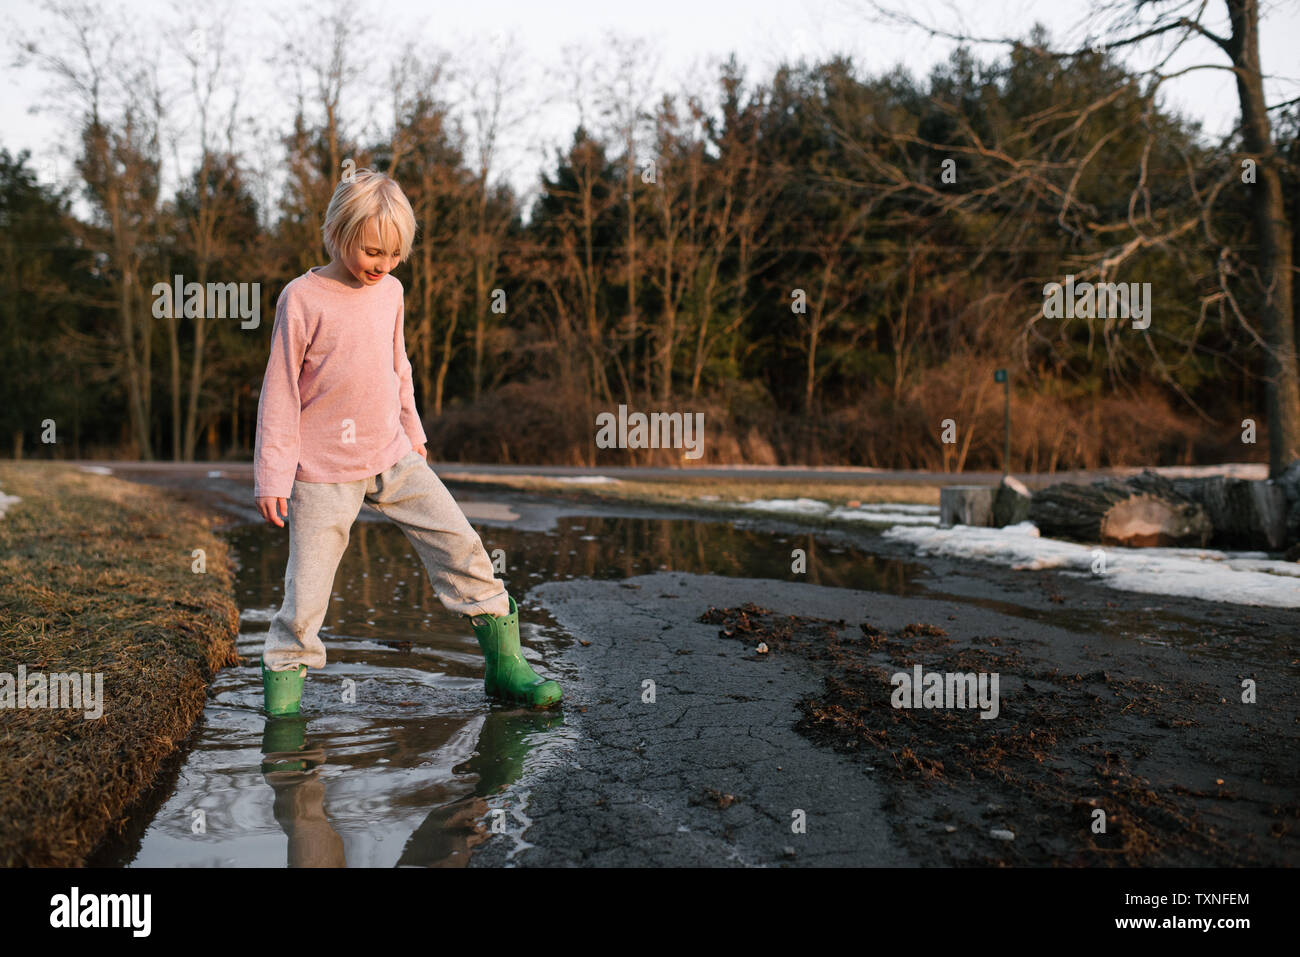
(546,424)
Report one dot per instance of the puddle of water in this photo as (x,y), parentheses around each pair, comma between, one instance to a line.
(397,758)
(615,548)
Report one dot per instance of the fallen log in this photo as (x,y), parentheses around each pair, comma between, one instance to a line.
(1245,514)
(1143,510)
(1289,482)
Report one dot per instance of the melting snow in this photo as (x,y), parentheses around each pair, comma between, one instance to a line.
(1243,578)
(880,513)
(887,513)
(798,506)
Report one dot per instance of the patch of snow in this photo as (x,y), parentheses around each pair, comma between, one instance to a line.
(1242,578)
(1238,563)
(215,474)
(879,513)
(885,518)
(792,506)
(96,469)
(586,479)
(6,501)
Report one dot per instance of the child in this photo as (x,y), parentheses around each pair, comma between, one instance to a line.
(337,425)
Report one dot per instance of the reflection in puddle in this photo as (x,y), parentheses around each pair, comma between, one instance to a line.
(397,757)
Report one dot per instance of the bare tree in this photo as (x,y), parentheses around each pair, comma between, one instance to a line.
(494,105)
(211,77)
(426,148)
(115,104)
(1166,28)
(627,82)
(740,226)
(322,74)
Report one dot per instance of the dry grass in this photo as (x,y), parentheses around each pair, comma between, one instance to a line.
(96,576)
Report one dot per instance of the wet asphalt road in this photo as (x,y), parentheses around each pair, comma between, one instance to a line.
(638,791)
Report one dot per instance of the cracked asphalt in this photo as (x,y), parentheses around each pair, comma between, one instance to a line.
(648,783)
(713,773)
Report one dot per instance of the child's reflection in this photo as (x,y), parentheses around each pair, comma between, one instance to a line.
(292,770)
(449,833)
(452,831)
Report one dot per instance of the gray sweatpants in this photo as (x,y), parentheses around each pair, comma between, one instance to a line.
(320,523)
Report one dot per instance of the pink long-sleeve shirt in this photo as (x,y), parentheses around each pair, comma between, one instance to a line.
(337,402)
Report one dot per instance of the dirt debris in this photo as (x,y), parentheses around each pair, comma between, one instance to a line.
(1070,749)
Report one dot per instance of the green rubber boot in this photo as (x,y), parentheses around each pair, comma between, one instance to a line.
(506,674)
(282,690)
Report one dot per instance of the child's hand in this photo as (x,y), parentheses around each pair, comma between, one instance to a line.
(272,507)
(424,454)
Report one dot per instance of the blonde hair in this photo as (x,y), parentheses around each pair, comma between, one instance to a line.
(360,197)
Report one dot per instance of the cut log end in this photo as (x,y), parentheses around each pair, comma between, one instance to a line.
(1144,510)
(1145,520)
(966,505)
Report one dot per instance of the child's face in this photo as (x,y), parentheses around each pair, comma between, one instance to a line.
(369,261)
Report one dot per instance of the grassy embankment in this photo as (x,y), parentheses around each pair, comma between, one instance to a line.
(96,576)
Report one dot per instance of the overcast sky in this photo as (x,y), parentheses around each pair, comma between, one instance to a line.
(684,37)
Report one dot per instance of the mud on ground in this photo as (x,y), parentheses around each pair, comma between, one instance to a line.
(1185,772)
